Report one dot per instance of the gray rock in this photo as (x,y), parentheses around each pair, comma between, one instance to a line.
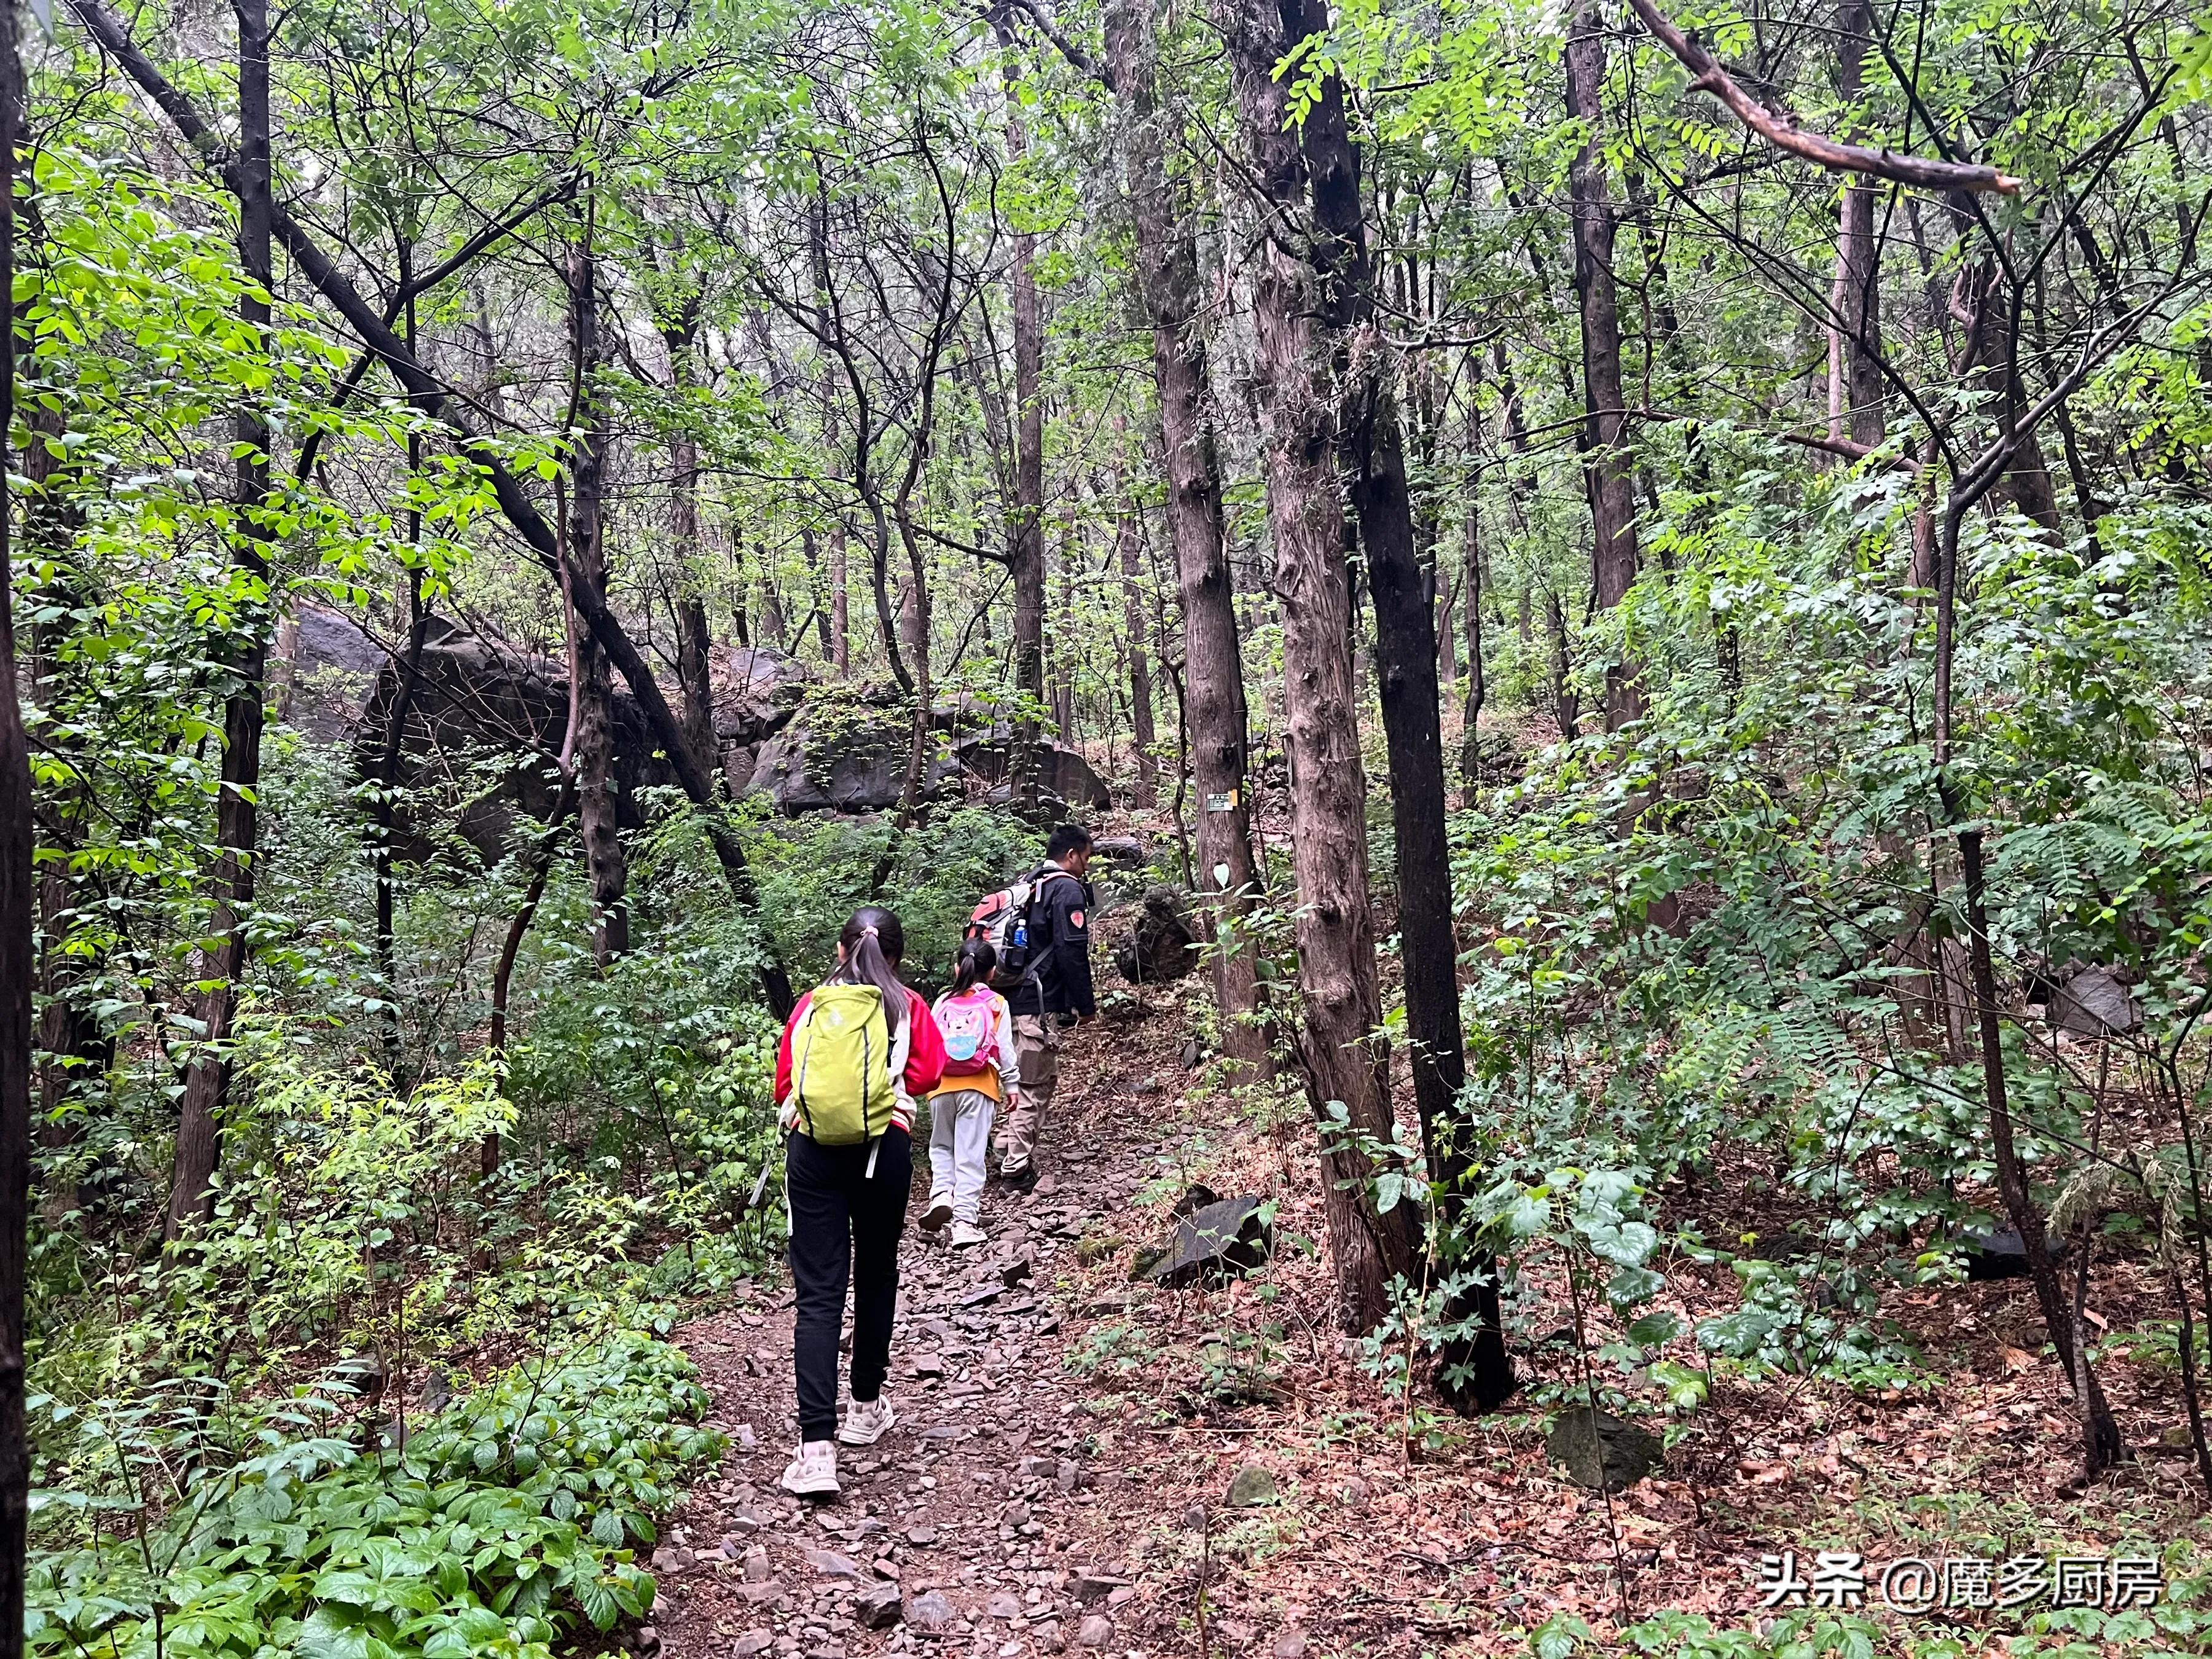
(1091,1589)
(1067,1477)
(758,1568)
(2000,1253)
(1003,1604)
(922,1537)
(1290,1644)
(929,1611)
(752,1642)
(830,1565)
(770,1589)
(1218,1242)
(1096,1631)
(1161,945)
(1599,1452)
(878,1606)
(1252,1485)
(1118,849)
(856,765)
(2092,1003)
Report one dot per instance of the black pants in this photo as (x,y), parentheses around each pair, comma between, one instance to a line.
(845,1223)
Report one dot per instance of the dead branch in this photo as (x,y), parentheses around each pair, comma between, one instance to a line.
(1782,133)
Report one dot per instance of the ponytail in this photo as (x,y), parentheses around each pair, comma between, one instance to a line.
(974,966)
(874,943)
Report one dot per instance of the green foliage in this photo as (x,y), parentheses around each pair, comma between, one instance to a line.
(500,1525)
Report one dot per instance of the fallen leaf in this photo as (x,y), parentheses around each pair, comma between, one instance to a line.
(2016,1360)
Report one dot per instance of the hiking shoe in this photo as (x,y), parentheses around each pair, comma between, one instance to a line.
(966,1234)
(1024,1180)
(867,1422)
(940,1212)
(812,1473)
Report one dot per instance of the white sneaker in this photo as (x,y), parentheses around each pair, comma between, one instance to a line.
(813,1471)
(940,1212)
(966,1234)
(865,1424)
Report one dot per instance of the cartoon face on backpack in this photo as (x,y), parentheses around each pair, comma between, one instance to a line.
(969,1026)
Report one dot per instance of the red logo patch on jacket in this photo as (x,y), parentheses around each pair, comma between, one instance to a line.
(1075,918)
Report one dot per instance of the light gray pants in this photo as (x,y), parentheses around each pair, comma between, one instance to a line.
(959,1151)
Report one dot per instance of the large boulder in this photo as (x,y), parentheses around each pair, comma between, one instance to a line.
(2093,1004)
(1160,945)
(484,718)
(1599,1452)
(757,693)
(1063,774)
(855,761)
(1216,1241)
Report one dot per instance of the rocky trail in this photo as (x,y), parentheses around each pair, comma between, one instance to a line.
(986,1519)
(1088,1463)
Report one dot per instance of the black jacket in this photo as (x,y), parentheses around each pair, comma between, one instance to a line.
(1058,979)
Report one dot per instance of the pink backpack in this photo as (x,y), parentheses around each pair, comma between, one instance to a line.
(969,1025)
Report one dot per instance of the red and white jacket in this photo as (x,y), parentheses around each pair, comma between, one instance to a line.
(917,1060)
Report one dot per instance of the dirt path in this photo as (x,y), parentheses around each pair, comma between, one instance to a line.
(987,1506)
(1069,1440)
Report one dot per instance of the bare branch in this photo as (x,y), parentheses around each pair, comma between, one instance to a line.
(1782,133)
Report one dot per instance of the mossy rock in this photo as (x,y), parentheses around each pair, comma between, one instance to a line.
(1253,1487)
(1600,1452)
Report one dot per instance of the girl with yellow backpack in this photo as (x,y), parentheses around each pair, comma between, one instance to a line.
(856,1052)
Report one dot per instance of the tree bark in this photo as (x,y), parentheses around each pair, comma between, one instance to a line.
(1128,535)
(679,333)
(1856,397)
(1373,455)
(1470,589)
(17,968)
(207,1080)
(1025,514)
(841,601)
(1608,471)
(1215,718)
(597,795)
(1334,929)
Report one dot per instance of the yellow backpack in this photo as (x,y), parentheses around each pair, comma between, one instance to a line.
(841,1067)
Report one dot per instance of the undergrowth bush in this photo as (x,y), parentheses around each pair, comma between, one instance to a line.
(498,1525)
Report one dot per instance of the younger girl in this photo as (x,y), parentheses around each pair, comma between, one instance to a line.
(981,1070)
(855,1055)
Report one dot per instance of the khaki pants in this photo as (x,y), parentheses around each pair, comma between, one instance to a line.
(1036,1046)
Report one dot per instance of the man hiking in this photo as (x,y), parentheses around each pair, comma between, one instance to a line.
(1055,993)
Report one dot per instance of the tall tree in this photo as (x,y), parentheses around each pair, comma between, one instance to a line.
(1609,478)
(1856,395)
(1213,702)
(1128,546)
(1025,512)
(1402,587)
(18,968)
(597,789)
(1300,409)
(207,1080)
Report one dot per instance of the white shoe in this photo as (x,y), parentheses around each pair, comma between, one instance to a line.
(813,1471)
(865,1424)
(966,1234)
(938,1214)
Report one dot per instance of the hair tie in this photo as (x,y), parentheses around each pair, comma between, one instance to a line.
(869,933)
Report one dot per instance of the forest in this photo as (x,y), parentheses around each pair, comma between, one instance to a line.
(1623,586)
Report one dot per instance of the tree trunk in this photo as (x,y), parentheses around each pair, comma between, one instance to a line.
(1373,455)
(1335,928)
(1471,596)
(207,1081)
(598,798)
(17,968)
(1608,472)
(1025,519)
(693,639)
(1215,719)
(1855,397)
(841,601)
(1128,533)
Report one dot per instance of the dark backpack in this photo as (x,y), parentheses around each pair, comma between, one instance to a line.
(1005,919)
